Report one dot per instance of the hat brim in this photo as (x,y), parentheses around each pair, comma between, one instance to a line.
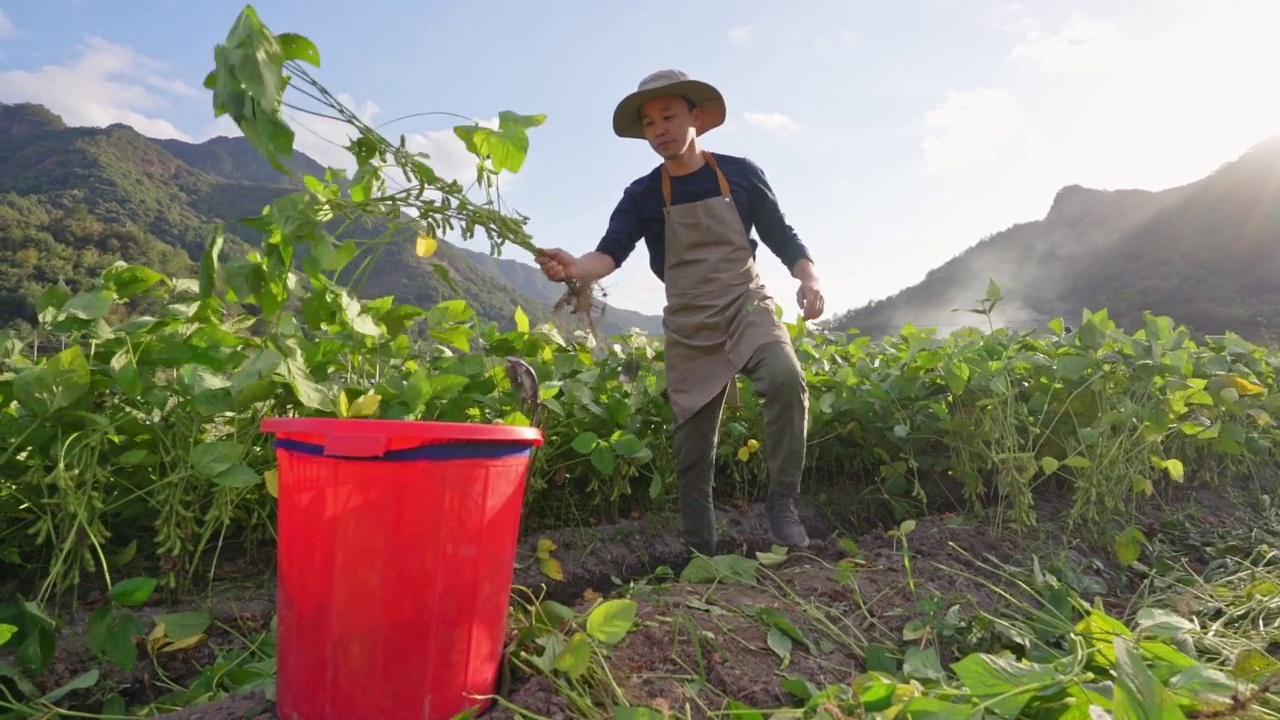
(626,117)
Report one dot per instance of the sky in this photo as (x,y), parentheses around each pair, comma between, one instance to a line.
(895,135)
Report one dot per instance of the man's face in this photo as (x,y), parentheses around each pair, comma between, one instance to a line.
(669,125)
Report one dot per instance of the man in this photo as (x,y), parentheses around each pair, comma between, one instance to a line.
(695,212)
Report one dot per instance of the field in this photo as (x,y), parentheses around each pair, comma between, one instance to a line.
(1073,522)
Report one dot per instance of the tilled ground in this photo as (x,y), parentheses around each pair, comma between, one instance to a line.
(699,645)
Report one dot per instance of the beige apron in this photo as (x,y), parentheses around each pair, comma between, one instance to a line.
(718,311)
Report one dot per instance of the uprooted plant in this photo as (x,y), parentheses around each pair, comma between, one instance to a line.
(392,183)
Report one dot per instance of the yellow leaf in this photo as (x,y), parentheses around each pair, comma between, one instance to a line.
(156,637)
(271,479)
(426,245)
(1244,386)
(744,453)
(344,405)
(752,445)
(522,320)
(551,568)
(183,644)
(545,546)
(365,405)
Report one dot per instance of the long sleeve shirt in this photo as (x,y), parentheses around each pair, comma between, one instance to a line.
(639,214)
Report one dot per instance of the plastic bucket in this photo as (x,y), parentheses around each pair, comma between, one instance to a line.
(397,545)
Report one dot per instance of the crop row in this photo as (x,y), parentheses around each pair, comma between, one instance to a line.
(141,435)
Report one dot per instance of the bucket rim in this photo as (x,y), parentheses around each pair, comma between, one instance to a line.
(427,431)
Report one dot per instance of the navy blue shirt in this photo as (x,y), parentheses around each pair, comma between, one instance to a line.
(639,212)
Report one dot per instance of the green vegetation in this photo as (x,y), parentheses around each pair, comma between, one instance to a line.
(136,490)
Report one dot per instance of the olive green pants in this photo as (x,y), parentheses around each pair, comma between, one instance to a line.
(779,381)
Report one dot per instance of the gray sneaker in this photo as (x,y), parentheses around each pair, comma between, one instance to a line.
(784,521)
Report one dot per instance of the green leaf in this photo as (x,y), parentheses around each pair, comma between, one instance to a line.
(62,380)
(90,305)
(920,663)
(297,47)
(1129,545)
(781,644)
(83,681)
(256,58)
(184,625)
(603,459)
(1161,623)
(113,633)
(956,375)
(262,365)
(457,336)
(211,459)
(238,475)
(1074,367)
(875,693)
(507,147)
(1138,693)
(6,633)
(585,442)
(209,264)
(133,592)
(114,706)
(998,680)
(51,301)
(923,707)
(128,281)
(126,373)
(1198,682)
(575,659)
(308,392)
(611,620)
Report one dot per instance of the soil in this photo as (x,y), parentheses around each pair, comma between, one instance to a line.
(695,645)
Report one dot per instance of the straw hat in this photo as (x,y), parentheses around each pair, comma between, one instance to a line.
(626,117)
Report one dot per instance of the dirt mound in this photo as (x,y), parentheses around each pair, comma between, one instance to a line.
(759,627)
(751,627)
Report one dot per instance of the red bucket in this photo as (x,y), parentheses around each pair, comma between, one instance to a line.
(397,544)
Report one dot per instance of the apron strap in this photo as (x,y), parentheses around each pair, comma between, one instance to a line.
(666,179)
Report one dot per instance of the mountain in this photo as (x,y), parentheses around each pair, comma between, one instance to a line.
(74,200)
(1206,254)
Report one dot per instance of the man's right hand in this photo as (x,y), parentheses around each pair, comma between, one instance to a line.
(558,265)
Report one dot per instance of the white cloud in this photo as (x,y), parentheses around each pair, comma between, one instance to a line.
(1152,99)
(968,126)
(106,84)
(177,87)
(1081,44)
(7,28)
(740,35)
(774,121)
(325,140)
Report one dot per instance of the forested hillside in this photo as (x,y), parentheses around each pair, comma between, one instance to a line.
(1206,254)
(74,200)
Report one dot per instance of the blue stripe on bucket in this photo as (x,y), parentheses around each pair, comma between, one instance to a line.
(440,451)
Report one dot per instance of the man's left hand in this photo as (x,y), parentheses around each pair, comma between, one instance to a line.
(810,298)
